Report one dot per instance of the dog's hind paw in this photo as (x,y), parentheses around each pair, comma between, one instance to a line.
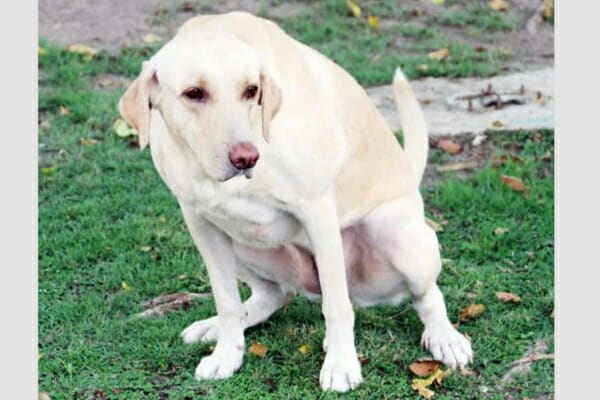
(206,330)
(448,346)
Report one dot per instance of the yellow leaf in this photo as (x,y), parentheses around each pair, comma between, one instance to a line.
(42,51)
(497,124)
(548,9)
(437,227)
(438,2)
(64,111)
(125,286)
(123,129)
(471,311)
(354,8)
(48,170)
(499,5)
(87,142)
(508,297)
(439,54)
(151,38)
(87,51)
(258,349)
(304,349)
(500,231)
(145,249)
(422,385)
(162,219)
(373,21)
(422,67)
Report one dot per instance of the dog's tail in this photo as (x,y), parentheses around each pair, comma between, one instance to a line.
(414,129)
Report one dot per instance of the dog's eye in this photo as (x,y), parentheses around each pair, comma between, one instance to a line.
(250,92)
(196,94)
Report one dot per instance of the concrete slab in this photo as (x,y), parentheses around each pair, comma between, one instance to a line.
(446,109)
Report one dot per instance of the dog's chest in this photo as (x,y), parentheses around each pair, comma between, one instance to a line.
(251,222)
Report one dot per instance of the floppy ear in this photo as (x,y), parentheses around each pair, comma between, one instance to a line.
(270,100)
(135,104)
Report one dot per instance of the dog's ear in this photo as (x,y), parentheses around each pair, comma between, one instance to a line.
(135,104)
(269,100)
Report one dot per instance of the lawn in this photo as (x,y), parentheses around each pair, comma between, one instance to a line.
(111,236)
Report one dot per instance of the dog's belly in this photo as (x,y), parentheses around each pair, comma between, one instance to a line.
(370,276)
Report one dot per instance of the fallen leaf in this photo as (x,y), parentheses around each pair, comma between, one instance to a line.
(182,277)
(497,124)
(373,21)
(187,6)
(87,141)
(515,184)
(533,358)
(479,49)
(424,367)
(165,303)
(449,146)
(354,8)
(145,249)
(43,396)
(422,67)
(125,286)
(422,385)
(503,159)
(151,38)
(499,5)
(438,2)
(547,156)
(459,166)
(42,51)
(437,227)
(508,297)
(471,311)
(48,170)
(439,54)
(364,360)
(464,371)
(500,231)
(123,129)
(88,52)
(258,349)
(162,219)
(446,261)
(304,349)
(116,390)
(548,9)
(477,140)
(64,111)
(537,137)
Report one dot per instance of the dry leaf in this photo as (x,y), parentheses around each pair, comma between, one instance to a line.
(87,51)
(123,129)
(162,219)
(422,385)
(459,166)
(471,311)
(497,124)
(125,286)
(424,367)
(464,371)
(548,9)
(373,21)
(552,314)
(514,183)
(87,141)
(437,227)
(508,297)
(64,111)
(304,349)
(499,5)
(258,349)
(354,8)
(43,396)
(500,231)
(449,146)
(42,51)
(479,49)
(145,249)
(165,303)
(438,2)
(151,38)
(501,160)
(439,54)
(48,170)
(422,67)
(363,359)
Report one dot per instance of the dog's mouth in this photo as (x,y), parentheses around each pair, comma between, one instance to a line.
(237,172)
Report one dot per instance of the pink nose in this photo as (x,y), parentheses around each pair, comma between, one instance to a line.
(243,156)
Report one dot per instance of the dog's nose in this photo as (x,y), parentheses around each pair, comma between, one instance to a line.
(243,156)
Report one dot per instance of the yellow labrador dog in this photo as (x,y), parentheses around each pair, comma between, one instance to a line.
(290,180)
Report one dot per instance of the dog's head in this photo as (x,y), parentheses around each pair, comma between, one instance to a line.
(214,93)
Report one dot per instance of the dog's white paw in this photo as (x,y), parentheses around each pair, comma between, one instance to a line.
(340,373)
(206,330)
(219,365)
(447,345)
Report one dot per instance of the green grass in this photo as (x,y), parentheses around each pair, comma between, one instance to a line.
(478,15)
(100,205)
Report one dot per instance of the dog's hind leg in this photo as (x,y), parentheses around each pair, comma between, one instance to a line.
(266,298)
(399,230)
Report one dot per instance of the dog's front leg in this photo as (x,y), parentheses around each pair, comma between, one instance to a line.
(341,369)
(216,249)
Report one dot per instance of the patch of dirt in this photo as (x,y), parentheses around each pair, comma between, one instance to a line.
(112,24)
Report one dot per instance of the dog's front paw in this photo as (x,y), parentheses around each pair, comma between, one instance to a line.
(206,330)
(340,373)
(448,346)
(219,365)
